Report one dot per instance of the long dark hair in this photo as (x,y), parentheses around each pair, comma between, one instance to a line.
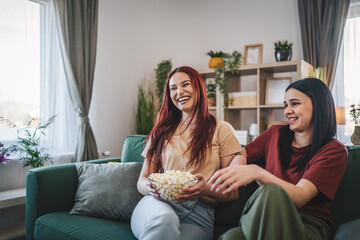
(323,121)
(169,118)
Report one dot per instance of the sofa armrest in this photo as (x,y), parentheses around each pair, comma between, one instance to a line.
(49,189)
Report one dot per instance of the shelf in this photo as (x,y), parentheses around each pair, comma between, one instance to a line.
(272,106)
(242,107)
(253,78)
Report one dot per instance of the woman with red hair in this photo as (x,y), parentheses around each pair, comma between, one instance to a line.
(186,137)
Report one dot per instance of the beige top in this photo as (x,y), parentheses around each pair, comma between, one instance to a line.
(224,143)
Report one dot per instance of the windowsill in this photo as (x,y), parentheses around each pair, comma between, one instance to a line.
(12,198)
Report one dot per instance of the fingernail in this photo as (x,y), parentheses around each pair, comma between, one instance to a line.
(217,189)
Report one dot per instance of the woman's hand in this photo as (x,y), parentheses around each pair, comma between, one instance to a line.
(231,178)
(198,190)
(151,189)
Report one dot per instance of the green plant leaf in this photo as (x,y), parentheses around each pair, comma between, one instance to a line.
(161,73)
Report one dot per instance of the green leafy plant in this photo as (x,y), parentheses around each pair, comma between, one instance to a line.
(161,73)
(211,90)
(216,54)
(145,114)
(283,45)
(355,114)
(232,64)
(28,145)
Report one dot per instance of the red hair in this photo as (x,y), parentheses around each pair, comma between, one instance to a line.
(169,118)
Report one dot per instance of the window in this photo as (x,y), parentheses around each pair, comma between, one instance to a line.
(351,67)
(20,63)
(32,77)
(347,78)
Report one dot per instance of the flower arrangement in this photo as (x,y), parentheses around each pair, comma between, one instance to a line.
(5,153)
(355,114)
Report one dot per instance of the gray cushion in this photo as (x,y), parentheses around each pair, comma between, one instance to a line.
(107,190)
(349,230)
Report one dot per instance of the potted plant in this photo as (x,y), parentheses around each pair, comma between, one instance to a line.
(161,73)
(216,58)
(211,94)
(28,144)
(283,50)
(355,116)
(145,114)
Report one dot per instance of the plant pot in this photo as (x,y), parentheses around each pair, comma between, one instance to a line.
(212,101)
(215,61)
(283,55)
(355,137)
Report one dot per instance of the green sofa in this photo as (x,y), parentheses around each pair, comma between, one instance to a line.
(50,195)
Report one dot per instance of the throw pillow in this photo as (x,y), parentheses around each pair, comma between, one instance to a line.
(107,190)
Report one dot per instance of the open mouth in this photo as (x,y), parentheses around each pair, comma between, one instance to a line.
(183,100)
(292,119)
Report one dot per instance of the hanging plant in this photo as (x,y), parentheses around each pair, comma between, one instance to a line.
(232,64)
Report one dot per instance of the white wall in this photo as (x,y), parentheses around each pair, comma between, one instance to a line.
(135,35)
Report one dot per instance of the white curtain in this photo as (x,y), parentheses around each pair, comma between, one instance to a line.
(347,71)
(55,99)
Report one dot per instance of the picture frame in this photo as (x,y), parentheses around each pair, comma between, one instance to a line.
(253,54)
(275,90)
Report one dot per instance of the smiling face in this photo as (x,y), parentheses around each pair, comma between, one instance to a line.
(182,93)
(298,111)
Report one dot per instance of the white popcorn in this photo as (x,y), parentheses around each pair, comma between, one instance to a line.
(171,183)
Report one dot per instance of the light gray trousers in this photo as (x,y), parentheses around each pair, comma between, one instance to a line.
(156,219)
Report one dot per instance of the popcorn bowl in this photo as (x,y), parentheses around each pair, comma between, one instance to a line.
(169,188)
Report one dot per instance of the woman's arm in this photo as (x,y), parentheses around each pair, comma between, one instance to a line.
(202,188)
(144,186)
(230,178)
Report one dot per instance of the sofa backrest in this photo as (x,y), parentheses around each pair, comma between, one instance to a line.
(346,205)
(132,148)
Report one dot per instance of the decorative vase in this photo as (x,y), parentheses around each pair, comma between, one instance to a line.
(215,61)
(355,137)
(283,55)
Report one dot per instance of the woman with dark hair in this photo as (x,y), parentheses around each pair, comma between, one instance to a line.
(185,137)
(304,165)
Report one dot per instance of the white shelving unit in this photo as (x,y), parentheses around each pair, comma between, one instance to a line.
(253,78)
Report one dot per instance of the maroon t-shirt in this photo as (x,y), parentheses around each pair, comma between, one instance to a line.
(324,170)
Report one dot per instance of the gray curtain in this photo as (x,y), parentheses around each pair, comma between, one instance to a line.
(77,27)
(322,25)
